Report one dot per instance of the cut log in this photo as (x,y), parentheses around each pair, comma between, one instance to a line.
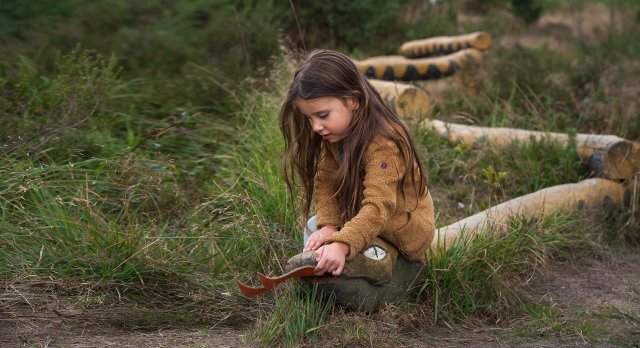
(441,45)
(405,100)
(587,194)
(400,68)
(607,156)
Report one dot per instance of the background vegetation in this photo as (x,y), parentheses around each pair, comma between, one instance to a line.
(138,145)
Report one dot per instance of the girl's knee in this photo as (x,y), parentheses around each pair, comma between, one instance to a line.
(311,224)
(311,227)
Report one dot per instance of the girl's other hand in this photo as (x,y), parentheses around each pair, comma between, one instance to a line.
(331,258)
(317,238)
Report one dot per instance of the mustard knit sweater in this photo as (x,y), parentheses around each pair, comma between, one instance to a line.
(384,211)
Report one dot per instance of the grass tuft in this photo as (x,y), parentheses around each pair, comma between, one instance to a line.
(483,276)
(297,316)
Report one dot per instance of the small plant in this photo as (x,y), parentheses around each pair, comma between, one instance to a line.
(460,148)
(493,177)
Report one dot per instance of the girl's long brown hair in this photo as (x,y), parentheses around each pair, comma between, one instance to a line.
(324,73)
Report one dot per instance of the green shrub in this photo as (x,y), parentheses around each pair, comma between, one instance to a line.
(344,25)
(17,16)
(528,10)
(40,110)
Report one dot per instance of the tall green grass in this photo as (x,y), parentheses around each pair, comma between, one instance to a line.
(96,219)
(259,226)
(82,193)
(484,275)
(297,317)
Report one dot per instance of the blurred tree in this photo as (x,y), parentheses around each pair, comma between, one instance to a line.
(18,15)
(527,10)
(342,24)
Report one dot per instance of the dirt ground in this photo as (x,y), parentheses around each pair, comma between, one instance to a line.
(31,315)
(589,301)
(596,296)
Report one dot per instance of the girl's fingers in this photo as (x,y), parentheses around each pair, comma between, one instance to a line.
(323,262)
(327,263)
(320,268)
(311,245)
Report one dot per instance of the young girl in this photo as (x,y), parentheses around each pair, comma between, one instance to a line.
(345,145)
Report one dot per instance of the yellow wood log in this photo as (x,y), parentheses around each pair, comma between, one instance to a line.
(587,194)
(445,45)
(400,68)
(608,156)
(405,100)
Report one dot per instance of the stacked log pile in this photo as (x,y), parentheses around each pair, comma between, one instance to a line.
(612,159)
(427,59)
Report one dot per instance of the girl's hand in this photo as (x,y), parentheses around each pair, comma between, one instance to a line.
(331,258)
(317,238)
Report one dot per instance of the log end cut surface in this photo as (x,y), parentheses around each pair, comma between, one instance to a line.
(623,160)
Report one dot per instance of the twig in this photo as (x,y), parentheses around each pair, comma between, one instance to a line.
(21,295)
(220,321)
(497,340)
(295,16)
(632,218)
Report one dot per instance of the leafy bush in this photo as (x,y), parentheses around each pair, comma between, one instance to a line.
(344,24)
(40,111)
(528,10)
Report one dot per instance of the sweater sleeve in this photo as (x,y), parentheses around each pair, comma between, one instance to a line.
(384,169)
(327,212)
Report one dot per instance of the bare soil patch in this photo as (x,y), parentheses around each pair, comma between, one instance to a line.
(588,301)
(37,312)
(594,297)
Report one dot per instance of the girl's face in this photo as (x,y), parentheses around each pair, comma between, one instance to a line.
(329,116)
